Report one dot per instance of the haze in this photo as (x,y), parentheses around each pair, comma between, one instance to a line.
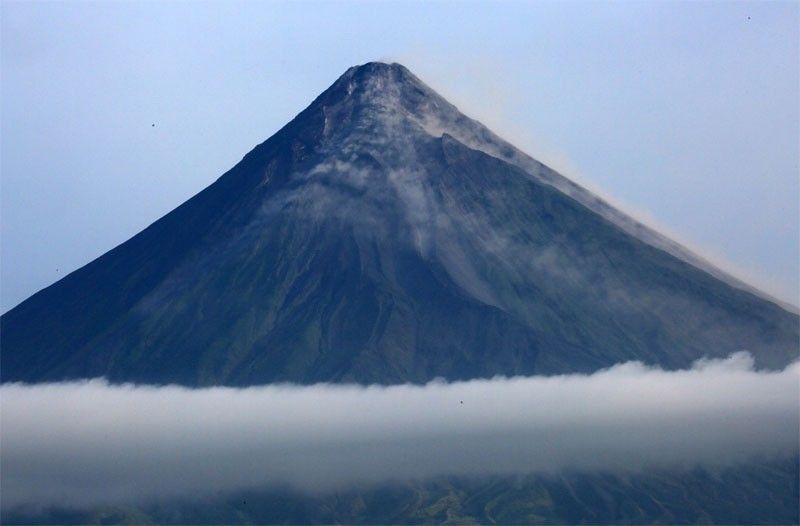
(90,443)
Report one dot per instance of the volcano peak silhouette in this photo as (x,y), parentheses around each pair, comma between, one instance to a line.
(384,237)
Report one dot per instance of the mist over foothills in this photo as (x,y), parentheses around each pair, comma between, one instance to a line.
(93,443)
(551,279)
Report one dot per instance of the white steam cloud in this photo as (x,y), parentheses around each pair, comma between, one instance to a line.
(88,443)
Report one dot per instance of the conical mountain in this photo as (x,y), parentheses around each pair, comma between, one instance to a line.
(382,237)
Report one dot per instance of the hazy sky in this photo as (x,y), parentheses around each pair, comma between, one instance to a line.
(686,112)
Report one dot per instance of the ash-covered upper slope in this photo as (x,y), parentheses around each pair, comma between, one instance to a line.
(383,237)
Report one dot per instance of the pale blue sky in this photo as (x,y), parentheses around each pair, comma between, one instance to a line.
(687,113)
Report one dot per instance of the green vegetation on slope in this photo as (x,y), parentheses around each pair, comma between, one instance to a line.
(763,493)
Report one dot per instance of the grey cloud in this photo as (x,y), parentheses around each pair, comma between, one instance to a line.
(88,443)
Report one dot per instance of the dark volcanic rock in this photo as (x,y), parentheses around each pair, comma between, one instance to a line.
(383,237)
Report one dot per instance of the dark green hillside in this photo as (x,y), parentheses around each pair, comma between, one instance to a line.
(752,494)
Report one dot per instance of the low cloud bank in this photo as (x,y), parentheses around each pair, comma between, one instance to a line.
(88,443)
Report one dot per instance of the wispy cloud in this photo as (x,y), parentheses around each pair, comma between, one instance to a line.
(90,442)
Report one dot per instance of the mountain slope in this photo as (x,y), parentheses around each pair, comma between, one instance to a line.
(381,236)
(766,493)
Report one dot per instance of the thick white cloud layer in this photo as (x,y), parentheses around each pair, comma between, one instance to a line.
(88,443)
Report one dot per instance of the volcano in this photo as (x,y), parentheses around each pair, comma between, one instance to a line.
(383,237)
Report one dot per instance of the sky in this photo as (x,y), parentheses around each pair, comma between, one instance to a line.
(138,443)
(685,114)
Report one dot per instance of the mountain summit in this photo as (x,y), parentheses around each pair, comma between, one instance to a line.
(383,237)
